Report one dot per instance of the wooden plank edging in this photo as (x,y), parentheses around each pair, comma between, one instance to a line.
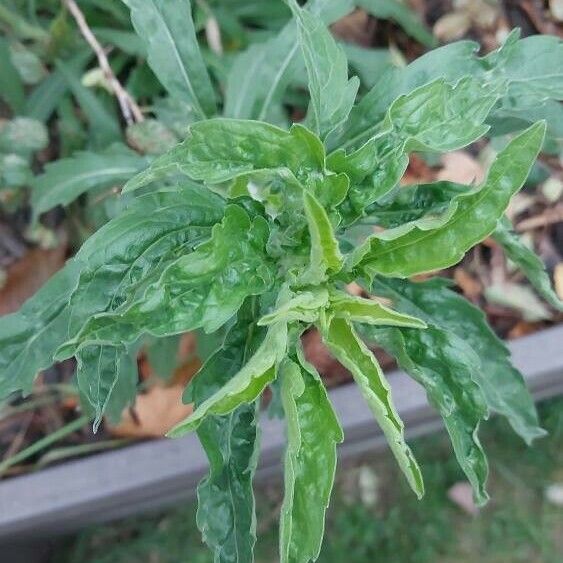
(150,475)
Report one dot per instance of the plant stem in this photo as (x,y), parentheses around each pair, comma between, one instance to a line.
(44,442)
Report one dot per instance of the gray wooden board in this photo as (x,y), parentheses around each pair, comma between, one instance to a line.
(150,475)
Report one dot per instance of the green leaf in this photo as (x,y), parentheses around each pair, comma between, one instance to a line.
(106,376)
(260,75)
(150,137)
(204,288)
(325,257)
(368,311)
(167,30)
(104,126)
(304,307)
(246,385)
(527,68)
(45,97)
(527,261)
(409,203)
(218,150)
(432,243)
(310,460)
(226,514)
(109,265)
(29,337)
(435,117)
(66,179)
(11,87)
(396,11)
(332,94)
(353,354)
(502,385)
(444,364)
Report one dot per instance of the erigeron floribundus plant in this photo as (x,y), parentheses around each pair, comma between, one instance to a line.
(256,230)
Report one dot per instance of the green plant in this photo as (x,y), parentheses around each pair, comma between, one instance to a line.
(256,230)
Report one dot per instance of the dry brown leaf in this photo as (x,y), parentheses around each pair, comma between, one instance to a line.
(27,275)
(452,26)
(354,28)
(461,494)
(159,409)
(556,9)
(460,167)
(469,285)
(558,279)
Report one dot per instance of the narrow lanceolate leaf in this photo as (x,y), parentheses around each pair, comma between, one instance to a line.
(358,309)
(400,13)
(444,364)
(64,180)
(310,461)
(527,261)
(110,263)
(226,514)
(246,385)
(260,75)
(167,29)
(447,312)
(106,376)
(332,94)
(11,86)
(438,242)
(325,256)
(201,289)
(218,150)
(352,353)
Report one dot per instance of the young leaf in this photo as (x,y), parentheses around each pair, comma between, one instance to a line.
(167,29)
(304,307)
(352,353)
(218,150)
(358,309)
(204,288)
(527,261)
(310,461)
(444,364)
(246,385)
(432,243)
(332,94)
(444,310)
(64,180)
(225,514)
(325,256)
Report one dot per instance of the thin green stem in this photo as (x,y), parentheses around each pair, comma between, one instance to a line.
(44,442)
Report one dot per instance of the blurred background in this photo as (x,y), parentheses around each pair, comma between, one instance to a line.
(60,122)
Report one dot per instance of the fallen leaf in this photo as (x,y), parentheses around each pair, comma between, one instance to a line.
(556,9)
(460,167)
(471,287)
(520,298)
(159,409)
(27,275)
(356,27)
(452,26)
(558,279)
(461,495)
(554,494)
